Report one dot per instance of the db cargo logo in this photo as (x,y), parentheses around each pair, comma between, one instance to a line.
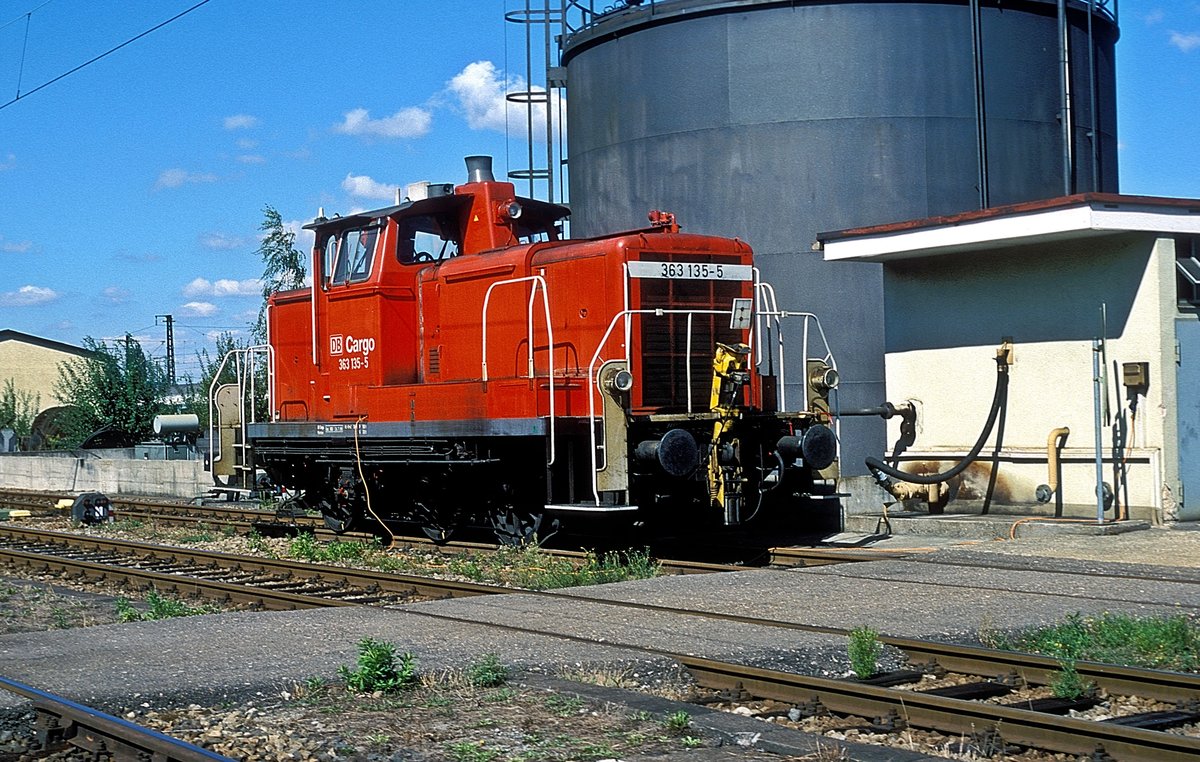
(336,344)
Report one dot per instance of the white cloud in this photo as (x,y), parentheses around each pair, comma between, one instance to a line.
(1154,17)
(480,89)
(412,122)
(241,122)
(246,143)
(252,158)
(28,296)
(173,178)
(1185,42)
(223,287)
(10,161)
(221,242)
(16,247)
(198,309)
(304,239)
(365,187)
(116,294)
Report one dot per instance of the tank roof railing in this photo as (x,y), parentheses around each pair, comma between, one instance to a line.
(578,15)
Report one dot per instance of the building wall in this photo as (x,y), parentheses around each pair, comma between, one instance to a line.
(947,315)
(33,368)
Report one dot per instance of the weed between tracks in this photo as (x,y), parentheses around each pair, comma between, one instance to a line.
(1169,642)
(528,567)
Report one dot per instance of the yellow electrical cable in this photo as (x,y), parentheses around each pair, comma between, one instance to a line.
(366,489)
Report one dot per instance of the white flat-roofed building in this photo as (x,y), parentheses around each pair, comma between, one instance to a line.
(1055,277)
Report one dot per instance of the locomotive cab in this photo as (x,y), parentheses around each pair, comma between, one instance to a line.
(458,362)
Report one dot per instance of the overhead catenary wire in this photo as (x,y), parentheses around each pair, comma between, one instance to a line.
(25,15)
(105,54)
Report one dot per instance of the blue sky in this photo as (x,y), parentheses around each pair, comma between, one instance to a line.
(135,187)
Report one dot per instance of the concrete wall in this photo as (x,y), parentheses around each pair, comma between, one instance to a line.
(109,471)
(946,316)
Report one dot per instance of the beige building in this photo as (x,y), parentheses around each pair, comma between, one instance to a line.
(1095,282)
(32,364)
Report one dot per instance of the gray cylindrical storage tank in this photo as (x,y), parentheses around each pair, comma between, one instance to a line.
(774,121)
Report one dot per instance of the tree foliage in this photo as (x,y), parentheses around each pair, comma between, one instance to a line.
(118,389)
(18,408)
(283,264)
(210,365)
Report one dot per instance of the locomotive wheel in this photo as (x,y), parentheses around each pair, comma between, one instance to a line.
(438,525)
(339,516)
(521,528)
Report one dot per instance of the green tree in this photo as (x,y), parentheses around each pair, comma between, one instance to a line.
(118,389)
(18,408)
(283,264)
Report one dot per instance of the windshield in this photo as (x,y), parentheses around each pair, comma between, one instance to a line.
(356,252)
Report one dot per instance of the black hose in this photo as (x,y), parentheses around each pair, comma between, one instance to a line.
(879,467)
(991,488)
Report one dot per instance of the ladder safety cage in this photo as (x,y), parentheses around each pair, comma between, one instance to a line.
(539,284)
(244,362)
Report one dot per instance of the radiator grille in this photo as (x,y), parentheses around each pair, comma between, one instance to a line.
(663,340)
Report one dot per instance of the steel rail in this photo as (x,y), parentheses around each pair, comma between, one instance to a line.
(1016,726)
(60,720)
(1042,670)
(948,715)
(907,708)
(360,578)
(1034,669)
(256,596)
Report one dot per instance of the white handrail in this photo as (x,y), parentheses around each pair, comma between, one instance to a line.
(538,282)
(594,381)
(244,364)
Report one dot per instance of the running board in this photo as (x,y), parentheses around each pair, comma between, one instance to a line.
(588,508)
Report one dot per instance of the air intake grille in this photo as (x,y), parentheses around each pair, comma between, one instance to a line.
(664,339)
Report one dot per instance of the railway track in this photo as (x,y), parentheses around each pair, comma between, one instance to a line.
(246,519)
(243,580)
(1039,725)
(60,721)
(295,585)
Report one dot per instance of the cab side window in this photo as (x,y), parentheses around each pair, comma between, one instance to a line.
(328,257)
(356,253)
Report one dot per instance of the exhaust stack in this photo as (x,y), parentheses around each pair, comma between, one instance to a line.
(479,169)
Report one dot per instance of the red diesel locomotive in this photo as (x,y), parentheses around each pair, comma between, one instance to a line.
(457,362)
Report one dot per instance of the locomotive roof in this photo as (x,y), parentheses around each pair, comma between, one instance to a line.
(442,213)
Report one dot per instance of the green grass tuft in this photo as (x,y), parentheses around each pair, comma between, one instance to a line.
(380,669)
(864,649)
(160,608)
(1164,642)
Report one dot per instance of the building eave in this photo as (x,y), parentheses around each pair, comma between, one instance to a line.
(1038,222)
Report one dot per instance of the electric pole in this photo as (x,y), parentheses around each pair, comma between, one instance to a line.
(170,321)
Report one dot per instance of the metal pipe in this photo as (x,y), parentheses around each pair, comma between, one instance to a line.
(1096,392)
(1095,142)
(1064,76)
(980,108)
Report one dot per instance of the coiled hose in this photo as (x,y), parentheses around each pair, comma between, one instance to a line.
(882,470)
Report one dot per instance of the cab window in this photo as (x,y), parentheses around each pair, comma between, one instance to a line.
(416,244)
(355,253)
(328,257)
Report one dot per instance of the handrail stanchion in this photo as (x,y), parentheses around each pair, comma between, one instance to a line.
(539,283)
